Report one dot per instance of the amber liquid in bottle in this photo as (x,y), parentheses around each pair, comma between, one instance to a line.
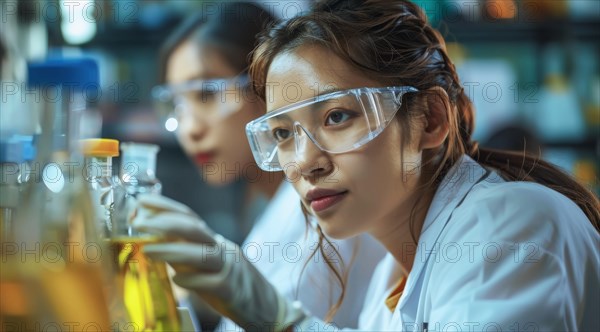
(145,286)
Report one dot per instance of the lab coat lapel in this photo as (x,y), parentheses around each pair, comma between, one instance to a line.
(451,192)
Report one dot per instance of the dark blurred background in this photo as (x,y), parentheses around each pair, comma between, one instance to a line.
(531,68)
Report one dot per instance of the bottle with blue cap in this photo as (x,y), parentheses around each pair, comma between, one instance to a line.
(11,156)
(16,154)
(14,308)
(27,168)
(70,275)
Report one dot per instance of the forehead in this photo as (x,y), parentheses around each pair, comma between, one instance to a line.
(190,61)
(307,72)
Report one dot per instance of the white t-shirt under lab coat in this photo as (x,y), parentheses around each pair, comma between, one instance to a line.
(279,245)
(495,256)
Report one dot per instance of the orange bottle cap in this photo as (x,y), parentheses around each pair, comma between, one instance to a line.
(100,147)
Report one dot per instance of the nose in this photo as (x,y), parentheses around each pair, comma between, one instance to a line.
(310,159)
(192,128)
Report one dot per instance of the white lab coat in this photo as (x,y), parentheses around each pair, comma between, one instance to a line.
(495,256)
(375,312)
(279,245)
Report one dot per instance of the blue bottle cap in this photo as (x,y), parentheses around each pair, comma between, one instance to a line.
(11,151)
(29,149)
(77,73)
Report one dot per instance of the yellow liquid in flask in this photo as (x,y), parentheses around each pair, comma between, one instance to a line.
(145,287)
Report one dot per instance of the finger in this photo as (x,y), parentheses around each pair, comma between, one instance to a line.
(183,268)
(176,226)
(211,282)
(159,203)
(185,256)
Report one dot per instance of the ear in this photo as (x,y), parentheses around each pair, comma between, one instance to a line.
(436,121)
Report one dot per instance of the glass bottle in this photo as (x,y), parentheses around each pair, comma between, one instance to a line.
(104,187)
(145,284)
(108,198)
(13,304)
(11,156)
(27,167)
(59,274)
(138,168)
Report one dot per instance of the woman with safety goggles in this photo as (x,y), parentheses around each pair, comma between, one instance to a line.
(207,91)
(367,118)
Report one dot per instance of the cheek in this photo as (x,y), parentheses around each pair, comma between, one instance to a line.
(299,187)
(243,113)
(376,174)
(380,162)
(183,134)
(232,135)
(372,177)
(292,172)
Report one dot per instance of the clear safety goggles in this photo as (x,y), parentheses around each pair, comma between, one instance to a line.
(214,98)
(336,122)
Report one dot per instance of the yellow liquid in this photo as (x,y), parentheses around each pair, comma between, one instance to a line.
(14,307)
(15,302)
(145,287)
(70,295)
(76,295)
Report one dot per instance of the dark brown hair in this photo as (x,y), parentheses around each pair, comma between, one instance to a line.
(232,29)
(391,42)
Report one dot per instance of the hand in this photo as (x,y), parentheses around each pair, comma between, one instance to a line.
(213,267)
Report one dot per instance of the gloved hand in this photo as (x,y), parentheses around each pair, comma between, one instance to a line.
(213,267)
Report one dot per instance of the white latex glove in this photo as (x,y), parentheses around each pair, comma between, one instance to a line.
(213,267)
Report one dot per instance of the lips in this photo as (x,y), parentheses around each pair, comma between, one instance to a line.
(203,158)
(322,199)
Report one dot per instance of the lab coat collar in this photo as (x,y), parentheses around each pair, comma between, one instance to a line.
(455,186)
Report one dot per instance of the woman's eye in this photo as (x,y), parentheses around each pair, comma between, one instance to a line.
(205,95)
(337,117)
(281,134)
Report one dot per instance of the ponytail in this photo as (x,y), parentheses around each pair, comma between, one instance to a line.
(515,166)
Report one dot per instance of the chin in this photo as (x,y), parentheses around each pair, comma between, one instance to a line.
(216,179)
(337,232)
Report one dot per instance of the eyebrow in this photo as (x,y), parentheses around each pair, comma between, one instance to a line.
(280,117)
(313,108)
(195,77)
(329,89)
(201,76)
